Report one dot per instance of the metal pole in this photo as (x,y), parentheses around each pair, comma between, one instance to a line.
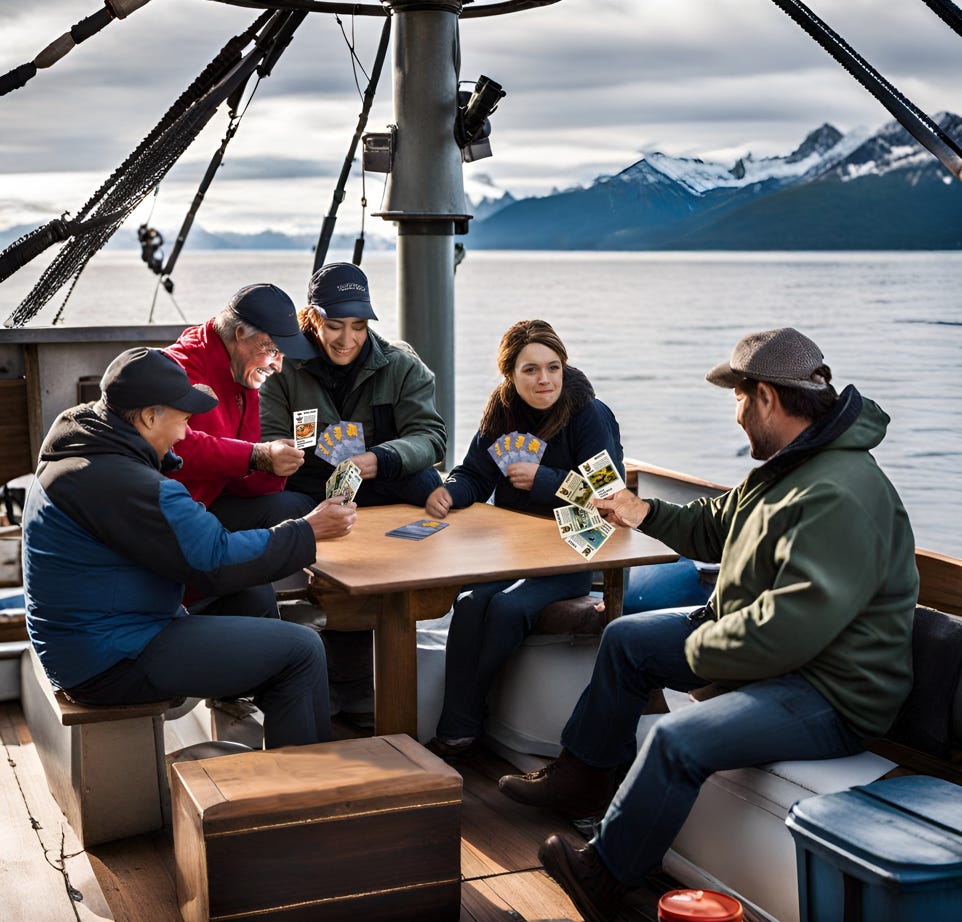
(425,194)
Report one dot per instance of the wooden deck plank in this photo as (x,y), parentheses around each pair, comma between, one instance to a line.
(132,880)
(44,873)
(135,875)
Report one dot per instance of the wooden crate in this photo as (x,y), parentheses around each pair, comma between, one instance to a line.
(362,829)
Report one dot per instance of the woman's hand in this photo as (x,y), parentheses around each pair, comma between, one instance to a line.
(333,518)
(438,504)
(367,464)
(522,474)
(623,508)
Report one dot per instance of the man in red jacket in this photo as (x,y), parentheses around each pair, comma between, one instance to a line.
(227,467)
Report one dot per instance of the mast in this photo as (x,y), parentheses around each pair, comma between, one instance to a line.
(425,191)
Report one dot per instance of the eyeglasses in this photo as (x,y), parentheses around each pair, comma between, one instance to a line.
(271,352)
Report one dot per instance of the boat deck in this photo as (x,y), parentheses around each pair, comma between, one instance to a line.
(132,880)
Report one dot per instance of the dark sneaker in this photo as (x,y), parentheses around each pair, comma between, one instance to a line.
(453,750)
(597,895)
(567,785)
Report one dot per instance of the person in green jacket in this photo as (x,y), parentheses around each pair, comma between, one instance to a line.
(388,391)
(358,377)
(805,642)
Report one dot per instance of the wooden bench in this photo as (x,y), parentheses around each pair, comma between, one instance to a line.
(104,765)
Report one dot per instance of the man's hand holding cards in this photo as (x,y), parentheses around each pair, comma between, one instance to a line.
(344,481)
(580,524)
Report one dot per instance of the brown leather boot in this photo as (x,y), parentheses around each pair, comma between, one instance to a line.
(566,785)
(597,895)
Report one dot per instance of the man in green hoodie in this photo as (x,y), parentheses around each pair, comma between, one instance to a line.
(807,634)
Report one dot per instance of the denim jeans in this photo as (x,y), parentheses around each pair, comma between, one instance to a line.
(765,721)
(489,623)
(281,664)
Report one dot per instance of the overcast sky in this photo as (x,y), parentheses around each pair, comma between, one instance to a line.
(591,85)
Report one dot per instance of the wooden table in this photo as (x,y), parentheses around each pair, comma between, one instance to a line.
(419,580)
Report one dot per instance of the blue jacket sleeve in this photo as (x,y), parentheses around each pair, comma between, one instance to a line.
(475,478)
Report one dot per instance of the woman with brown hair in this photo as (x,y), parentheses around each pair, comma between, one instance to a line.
(543,395)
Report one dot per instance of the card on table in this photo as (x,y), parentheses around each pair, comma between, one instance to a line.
(415,531)
(344,481)
(305,428)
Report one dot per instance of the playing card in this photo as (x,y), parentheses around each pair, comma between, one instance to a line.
(305,428)
(576,490)
(415,531)
(601,473)
(513,447)
(496,450)
(588,542)
(533,448)
(344,481)
(353,437)
(574,519)
(508,442)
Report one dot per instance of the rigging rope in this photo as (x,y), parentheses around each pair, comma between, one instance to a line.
(79,32)
(208,178)
(327,228)
(948,12)
(142,170)
(926,131)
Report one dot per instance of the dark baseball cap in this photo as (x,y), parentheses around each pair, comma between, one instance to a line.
(142,377)
(269,309)
(782,356)
(340,291)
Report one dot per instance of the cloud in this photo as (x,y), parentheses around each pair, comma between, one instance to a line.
(590,85)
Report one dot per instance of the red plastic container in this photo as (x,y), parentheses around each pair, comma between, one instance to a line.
(698,906)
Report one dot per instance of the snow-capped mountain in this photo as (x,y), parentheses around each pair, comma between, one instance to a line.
(859,190)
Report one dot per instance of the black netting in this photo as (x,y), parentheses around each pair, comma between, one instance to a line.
(134,179)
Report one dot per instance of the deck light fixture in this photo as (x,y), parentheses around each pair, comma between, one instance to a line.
(472,127)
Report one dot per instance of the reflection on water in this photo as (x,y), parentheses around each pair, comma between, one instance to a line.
(646,327)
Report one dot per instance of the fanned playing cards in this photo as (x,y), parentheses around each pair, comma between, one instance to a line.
(514,447)
(344,481)
(340,440)
(580,524)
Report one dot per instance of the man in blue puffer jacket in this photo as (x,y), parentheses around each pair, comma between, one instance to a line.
(109,542)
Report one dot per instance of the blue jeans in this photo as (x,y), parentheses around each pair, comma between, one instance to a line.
(281,664)
(765,721)
(489,623)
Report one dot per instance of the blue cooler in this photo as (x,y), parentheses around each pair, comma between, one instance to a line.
(890,851)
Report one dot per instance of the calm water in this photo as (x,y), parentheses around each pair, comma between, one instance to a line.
(645,327)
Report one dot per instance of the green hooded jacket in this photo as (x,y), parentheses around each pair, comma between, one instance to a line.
(817,570)
(391,395)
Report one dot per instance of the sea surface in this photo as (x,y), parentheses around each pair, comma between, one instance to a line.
(645,327)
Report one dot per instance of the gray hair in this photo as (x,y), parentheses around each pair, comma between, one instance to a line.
(227,324)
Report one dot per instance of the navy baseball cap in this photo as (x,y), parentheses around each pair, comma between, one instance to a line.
(340,291)
(142,377)
(269,309)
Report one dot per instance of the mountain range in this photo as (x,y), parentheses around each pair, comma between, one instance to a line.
(858,191)
(853,191)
